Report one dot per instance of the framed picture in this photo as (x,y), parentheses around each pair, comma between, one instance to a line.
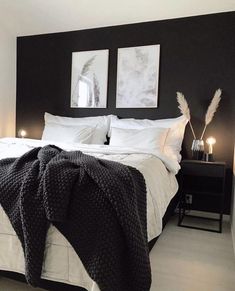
(89,79)
(137,77)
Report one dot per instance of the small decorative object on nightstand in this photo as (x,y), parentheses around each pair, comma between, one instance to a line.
(198,144)
(203,180)
(22,133)
(209,156)
(197,149)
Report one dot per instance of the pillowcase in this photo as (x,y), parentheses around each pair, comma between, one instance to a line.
(148,138)
(67,133)
(175,135)
(102,124)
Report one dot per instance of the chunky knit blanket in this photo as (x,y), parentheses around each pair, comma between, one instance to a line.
(98,205)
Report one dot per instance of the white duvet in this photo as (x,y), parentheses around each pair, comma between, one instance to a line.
(61,263)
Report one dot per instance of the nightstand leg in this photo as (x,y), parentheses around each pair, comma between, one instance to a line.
(222,204)
(181,208)
(221,222)
(221,214)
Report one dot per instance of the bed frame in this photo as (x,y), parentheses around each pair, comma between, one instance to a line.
(55,286)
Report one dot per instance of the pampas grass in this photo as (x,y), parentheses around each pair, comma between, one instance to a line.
(184,109)
(212,109)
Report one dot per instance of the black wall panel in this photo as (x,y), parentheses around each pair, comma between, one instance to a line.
(197,57)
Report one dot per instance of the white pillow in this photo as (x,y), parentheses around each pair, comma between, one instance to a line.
(175,135)
(67,133)
(102,124)
(148,138)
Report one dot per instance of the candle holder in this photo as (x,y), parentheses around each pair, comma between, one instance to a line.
(208,157)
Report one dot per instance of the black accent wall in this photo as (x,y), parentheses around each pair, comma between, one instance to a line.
(197,57)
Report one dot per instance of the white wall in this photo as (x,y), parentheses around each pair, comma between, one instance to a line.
(233,204)
(37,16)
(7,82)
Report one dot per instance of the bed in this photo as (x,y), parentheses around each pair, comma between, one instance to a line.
(61,263)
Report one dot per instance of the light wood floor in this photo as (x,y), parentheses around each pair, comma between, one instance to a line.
(183,260)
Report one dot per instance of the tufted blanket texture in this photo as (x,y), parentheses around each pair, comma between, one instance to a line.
(98,205)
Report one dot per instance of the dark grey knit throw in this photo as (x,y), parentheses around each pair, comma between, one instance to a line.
(98,205)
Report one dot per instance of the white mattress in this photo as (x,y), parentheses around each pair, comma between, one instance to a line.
(61,263)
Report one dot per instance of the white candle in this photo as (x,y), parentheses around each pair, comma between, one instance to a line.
(211,141)
(210,148)
(22,133)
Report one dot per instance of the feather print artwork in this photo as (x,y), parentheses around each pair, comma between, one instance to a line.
(89,79)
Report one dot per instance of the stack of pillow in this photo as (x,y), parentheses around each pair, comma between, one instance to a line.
(164,135)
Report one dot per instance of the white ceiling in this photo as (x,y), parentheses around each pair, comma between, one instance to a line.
(24,17)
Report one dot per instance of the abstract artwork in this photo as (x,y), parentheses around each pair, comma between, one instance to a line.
(89,79)
(137,77)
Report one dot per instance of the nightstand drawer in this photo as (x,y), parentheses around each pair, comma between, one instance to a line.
(203,169)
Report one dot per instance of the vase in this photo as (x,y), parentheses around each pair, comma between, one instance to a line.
(197,149)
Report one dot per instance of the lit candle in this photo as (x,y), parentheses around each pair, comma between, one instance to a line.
(22,133)
(211,141)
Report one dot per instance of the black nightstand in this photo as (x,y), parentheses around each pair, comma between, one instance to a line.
(201,178)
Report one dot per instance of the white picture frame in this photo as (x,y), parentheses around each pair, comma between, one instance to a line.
(138,77)
(89,79)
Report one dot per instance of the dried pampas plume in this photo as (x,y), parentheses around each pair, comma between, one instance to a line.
(183,105)
(184,109)
(212,109)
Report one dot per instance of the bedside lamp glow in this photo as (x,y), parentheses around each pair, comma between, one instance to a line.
(22,133)
(211,141)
